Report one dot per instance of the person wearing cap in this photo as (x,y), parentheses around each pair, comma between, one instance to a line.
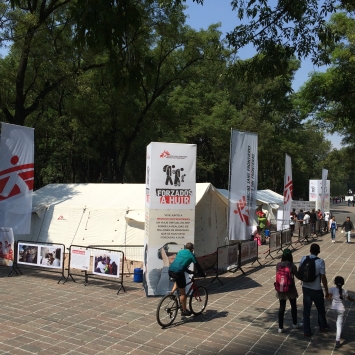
(291,295)
(184,258)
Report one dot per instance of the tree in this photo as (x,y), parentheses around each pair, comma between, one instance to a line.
(329,97)
(107,116)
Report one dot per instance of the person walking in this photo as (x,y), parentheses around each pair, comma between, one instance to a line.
(348,227)
(326,220)
(291,294)
(312,290)
(333,228)
(313,220)
(300,217)
(337,295)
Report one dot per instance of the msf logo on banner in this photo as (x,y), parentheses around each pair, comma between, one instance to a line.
(242,211)
(16,180)
(288,190)
(174,176)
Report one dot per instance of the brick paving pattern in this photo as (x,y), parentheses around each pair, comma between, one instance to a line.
(39,316)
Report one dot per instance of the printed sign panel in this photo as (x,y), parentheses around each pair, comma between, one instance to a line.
(171,231)
(42,255)
(6,247)
(106,263)
(79,258)
(170,202)
(171,176)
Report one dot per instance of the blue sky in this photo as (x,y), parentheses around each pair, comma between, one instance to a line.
(214,11)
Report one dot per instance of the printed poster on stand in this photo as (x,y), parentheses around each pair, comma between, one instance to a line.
(106,263)
(6,247)
(41,255)
(170,210)
(79,258)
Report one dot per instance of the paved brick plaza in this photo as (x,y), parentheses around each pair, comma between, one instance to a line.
(38,316)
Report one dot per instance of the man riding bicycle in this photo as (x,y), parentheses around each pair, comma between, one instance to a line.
(177,270)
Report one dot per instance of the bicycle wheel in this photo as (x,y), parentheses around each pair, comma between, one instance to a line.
(198,300)
(167,310)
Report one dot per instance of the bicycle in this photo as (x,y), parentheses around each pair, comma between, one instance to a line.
(170,304)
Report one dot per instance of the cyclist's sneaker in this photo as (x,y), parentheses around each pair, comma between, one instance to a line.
(186,313)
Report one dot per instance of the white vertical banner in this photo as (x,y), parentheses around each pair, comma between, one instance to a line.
(243,184)
(16,177)
(170,210)
(288,191)
(324,188)
(315,194)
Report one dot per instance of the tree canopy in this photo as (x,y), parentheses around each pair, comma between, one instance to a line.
(99,83)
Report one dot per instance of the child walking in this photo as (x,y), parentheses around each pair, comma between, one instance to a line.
(338,294)
(333,228)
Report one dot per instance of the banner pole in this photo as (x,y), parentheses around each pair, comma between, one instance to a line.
(229,188)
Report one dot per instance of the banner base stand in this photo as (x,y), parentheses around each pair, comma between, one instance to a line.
(216,277)
(71,276)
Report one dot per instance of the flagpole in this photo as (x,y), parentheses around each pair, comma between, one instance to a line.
(229,187)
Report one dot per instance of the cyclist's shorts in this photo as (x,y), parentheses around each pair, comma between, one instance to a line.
(179,277)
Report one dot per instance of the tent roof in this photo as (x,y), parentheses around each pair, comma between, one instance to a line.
(265,196)
(125,196)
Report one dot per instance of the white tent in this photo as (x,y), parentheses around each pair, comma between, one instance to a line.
(114,214)
(271,202)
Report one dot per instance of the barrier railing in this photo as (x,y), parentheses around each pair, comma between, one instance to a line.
(227,255)
(37,255)
(133,256)
(286,238)
(274,243)
(97,263)
(248,253)
(232,257)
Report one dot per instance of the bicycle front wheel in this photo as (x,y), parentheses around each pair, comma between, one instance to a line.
(198,300)
(167,310)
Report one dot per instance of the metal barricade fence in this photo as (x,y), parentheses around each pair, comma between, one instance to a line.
(274,243)
(286,238)
(96,262)
(133,256)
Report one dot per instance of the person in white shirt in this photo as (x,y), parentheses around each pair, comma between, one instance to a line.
(338,294)
(306,218)
(326,219)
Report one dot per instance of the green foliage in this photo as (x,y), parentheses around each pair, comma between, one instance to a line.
(100,83)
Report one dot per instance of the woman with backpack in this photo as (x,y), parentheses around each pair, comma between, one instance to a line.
(337,294)
(285,287)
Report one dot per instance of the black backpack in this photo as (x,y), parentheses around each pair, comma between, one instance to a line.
(307,270)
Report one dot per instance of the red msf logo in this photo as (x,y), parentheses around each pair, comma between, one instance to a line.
(288,190)
(15,180)
(164,154)
(61,218)
(241,204)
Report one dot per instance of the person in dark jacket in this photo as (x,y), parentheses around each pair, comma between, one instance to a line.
(348,226)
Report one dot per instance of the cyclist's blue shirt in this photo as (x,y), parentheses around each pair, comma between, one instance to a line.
(182,261)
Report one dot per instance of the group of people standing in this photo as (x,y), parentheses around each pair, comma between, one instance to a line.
(312,292)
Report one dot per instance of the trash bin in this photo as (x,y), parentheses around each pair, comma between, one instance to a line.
(138,275)
(267,233)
